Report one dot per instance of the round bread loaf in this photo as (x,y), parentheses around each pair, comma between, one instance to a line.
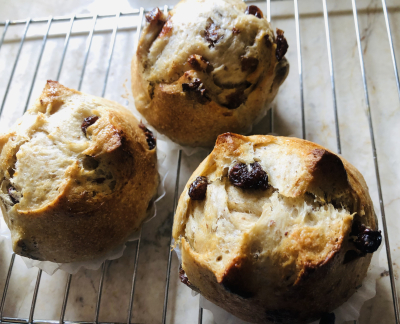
(77,175)
(275,229)
(207,68)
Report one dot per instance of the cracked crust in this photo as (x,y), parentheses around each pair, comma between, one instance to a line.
(80,194)
(231,53)
(275,255)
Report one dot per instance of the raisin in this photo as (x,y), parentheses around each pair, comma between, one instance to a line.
(197,88)
(184,279)
(154,15)
(281,44)
(199,63)
(13,196)
(255,178)
(235,99)
(267,41)
(88,121)
(151,141)
(198,188)
(249,63)
(235,31)
(255,11)
(166,28)
(365,239)
(182,275)
(327,318)
(212,33)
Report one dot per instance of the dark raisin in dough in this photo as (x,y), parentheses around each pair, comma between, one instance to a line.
(255,178)
(212,33)
(184,279)
(13,197)
(367,240)
(154,15)
(151,141)
(197,89)
(249,63)
(88,121)
(255,11)
(281,44)
(198,188)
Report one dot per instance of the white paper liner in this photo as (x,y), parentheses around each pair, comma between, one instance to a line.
(349,311)
(73,267)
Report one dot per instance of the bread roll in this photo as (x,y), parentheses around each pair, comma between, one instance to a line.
(206,68)
(275,229)
(77,174)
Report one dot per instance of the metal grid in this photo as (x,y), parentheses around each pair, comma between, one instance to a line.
(140,12)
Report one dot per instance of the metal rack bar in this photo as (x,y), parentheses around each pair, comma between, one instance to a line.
(85,16)
(14,320)
(139,26)
(113,37)
(178,171)
(375,156)
(389,31)
(15,65)
(3,299)
(200,319)
(134,278)
(99,293)
(271,109)
(65,300)
(332,74)
(69,278)
(35,293)
(88,45)
(4,32)
(65,18)
(38,62)
(300,64)
(66,42)
(111,51)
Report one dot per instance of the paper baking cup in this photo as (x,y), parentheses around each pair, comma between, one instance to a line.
(349,311)
(73,267)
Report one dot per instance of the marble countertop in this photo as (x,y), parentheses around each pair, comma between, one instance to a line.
(320,128)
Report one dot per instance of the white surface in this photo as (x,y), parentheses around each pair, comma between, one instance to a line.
(356,146)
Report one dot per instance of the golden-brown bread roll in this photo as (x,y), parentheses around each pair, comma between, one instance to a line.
(275,229)
(207,68)
(77,174)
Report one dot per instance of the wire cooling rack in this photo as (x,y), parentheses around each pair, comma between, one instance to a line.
(139,13)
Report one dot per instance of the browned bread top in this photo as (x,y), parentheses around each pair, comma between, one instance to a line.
(206,68)
(275,229)
(77,175)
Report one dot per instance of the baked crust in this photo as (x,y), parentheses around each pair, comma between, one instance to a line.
(278,255)
(205,69)
(88,197)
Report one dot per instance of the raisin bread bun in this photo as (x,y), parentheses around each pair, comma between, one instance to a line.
(275,229)
(77,174)
(207,68)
